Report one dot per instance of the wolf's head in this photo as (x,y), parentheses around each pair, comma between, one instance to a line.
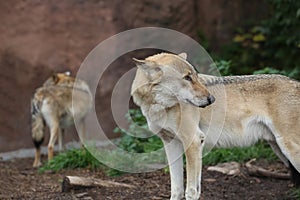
(66,80)
(59,79)
(167,79)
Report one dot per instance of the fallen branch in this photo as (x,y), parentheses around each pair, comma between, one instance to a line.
(74,182)
(228,168)
(258,171)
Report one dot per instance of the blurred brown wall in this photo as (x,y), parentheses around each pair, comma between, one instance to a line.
(39,37)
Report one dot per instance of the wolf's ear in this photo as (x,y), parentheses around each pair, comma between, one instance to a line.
(143,64)
(152,70)
(55,78)
(183,55)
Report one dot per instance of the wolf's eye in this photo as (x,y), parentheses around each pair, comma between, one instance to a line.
(188,78)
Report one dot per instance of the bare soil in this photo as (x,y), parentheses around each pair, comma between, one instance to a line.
(18,180)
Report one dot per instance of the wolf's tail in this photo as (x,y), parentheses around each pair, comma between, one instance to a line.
(37,124)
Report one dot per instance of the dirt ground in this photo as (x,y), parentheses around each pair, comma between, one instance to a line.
(18,180)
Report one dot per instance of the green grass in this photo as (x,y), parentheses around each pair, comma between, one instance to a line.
(294,193)
(78,158)
(259,151)
(81,158)
(71,159)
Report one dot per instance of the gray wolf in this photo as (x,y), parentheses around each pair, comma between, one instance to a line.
(186,110)
(59,103)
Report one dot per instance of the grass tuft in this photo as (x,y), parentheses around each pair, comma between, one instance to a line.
(294,193)
(71,159)
(260,151)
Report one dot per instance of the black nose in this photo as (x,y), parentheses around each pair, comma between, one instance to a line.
(211,99)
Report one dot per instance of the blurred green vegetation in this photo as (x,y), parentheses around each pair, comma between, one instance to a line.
(272,44)
(71,159)
(136,139)
(294,193)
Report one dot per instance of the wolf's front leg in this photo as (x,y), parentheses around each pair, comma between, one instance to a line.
(174,151)
(193,152)
(61,146)
(80,127)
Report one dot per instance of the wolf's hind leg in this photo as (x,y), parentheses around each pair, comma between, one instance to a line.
(54,132)
(81,130)
(295,175)
(278,152)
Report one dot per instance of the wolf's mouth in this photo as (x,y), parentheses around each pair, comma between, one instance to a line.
(200,106)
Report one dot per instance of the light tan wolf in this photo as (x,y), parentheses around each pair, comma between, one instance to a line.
(172,97)
(59,103)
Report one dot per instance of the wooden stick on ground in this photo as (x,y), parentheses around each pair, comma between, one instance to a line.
(258,171)
(75,182)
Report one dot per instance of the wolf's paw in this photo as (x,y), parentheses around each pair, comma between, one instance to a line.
(177,195)
(37,164)
(192,194)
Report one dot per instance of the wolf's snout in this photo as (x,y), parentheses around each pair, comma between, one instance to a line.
(210,99)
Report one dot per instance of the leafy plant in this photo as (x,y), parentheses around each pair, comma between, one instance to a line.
(282,30)
(224,67)
(273,42)
(138,138)
(294,73)
(269,70)
(72,159)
